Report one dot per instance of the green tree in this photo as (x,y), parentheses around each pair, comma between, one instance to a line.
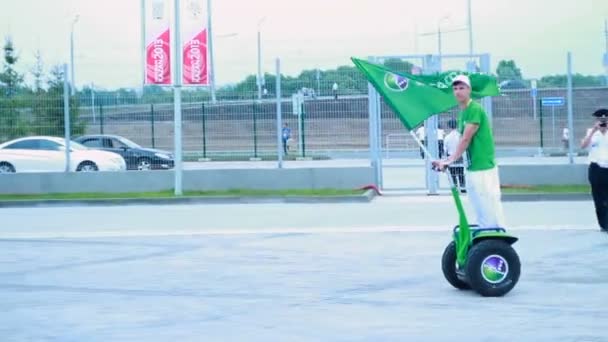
(156,94)
(37,72)
(49,107)
(507,70)
(348,78)
(12,125)
(578,80)
(399,65)
(9,77)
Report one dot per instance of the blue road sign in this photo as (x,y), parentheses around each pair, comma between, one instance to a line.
(553,101)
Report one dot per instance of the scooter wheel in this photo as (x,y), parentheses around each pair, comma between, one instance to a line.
(448,265)
(493,268)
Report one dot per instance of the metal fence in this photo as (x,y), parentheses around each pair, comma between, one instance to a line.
(247,128)
(241,126)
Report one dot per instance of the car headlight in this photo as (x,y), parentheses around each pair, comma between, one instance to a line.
(162,156)
(117,160)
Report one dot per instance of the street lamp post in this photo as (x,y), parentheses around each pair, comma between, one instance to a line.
(440,33)
(470,27)
(260,77)
(73,85)
(606,53)
(211,60)
(177,101)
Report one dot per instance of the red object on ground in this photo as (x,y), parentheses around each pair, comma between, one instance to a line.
(372,187)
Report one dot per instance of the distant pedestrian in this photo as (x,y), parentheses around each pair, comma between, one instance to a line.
(285,136)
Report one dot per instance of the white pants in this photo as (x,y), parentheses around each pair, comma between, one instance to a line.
(483,190)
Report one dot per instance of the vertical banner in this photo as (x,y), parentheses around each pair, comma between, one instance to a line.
(157,42)
(195,59)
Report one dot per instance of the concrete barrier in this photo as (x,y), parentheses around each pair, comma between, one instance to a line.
(575,174)
(256,179)
(194,180)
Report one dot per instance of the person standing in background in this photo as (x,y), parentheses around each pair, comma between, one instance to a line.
(285,135)
(440,137)
(451,141)
(421,134)
(565,138)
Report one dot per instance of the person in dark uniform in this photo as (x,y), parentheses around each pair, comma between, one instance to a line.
(596,140)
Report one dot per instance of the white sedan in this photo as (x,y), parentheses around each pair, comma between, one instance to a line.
(47,154)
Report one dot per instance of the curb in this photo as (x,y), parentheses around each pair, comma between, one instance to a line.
(546,197)
(368,196)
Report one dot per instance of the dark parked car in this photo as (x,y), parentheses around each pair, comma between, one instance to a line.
(136,157)
(512,84)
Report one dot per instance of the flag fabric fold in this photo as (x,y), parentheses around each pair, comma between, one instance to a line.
(415,98)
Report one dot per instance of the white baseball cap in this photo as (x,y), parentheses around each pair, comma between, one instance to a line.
(462,79)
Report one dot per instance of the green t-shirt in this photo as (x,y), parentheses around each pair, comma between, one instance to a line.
(480,153)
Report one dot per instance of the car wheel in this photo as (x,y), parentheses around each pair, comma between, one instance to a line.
(6,168)
(144,164)
(87,167)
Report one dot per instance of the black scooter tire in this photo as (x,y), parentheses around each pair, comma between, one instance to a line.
(448,266)
(493,268)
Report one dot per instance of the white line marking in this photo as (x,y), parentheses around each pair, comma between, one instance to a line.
(231,231)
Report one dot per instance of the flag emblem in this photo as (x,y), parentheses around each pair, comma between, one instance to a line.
(395,82)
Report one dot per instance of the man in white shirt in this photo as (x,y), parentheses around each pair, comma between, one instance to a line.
(421,134)
(450,145)
(597,142)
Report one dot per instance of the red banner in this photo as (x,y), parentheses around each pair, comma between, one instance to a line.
(195,60)
(158,60)
(159,50)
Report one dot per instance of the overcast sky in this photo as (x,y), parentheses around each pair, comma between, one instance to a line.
(314,33)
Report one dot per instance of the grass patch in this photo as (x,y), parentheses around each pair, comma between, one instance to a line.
(169,194)
(547,189)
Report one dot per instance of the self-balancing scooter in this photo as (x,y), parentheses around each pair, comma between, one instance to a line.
(481,259)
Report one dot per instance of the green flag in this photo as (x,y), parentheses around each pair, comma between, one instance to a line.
(415,98)
(481,85)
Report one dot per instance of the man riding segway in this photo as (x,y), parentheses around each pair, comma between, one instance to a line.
(483,185)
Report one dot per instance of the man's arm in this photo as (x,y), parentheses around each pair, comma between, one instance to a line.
(587,139)
(465,141)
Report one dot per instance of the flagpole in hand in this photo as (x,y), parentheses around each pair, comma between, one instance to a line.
(436,161)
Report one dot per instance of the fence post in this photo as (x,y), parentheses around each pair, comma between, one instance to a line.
(152,124)
(303,115)
(101,118)
(570,112)
(255,132)
(66,117)
(279,123)
(204,131)
(540,115)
